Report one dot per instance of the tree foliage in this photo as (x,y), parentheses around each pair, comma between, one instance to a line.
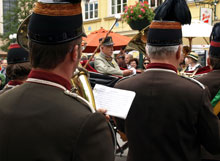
(18,11)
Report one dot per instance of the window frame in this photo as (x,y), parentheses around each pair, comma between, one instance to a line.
(94,10)
(122,7)
(149,2)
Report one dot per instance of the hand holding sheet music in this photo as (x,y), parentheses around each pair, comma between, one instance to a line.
(116,101)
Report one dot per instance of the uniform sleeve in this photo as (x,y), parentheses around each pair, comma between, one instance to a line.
(209,126)
(101,67)
(95,141)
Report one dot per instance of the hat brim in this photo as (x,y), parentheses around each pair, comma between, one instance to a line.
(108,44)
(192,57)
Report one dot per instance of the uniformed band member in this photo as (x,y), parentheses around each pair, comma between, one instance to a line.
(212,79)
(104,63)
(170,116)
(18,67)
(41,119)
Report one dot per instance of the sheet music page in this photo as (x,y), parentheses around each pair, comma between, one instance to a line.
(117,102)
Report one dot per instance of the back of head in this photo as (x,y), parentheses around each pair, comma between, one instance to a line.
(53,29)
(165,32)
(214,51)
(18,63)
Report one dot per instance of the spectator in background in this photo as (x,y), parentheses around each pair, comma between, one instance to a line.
(84,57)
(2,81)
(146,62)
(134,63)
(104,63)
(120,59)
(3,66)
(191,61)
(0,64)
(128,57)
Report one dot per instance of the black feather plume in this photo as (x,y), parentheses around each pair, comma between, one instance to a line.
(215,34)
(173,10)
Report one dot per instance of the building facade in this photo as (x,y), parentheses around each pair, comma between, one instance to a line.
(101,13)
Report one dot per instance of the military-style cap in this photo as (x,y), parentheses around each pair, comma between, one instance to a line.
(193,55)
(56,21)
(166,29)
(16,54)
(164,33)
(108,41)
(214,49)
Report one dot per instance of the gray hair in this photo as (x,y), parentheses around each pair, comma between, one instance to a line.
(161,52)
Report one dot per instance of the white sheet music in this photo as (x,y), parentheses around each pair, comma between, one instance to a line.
(116,101)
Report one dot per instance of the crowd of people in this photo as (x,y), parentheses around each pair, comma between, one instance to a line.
(3,66)
(171,117)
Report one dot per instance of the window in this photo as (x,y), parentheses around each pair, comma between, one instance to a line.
(153,3)
(91,10)
(118,6)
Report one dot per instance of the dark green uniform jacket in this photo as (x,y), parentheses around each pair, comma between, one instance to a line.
(212,81)
(39,121)
(169,118)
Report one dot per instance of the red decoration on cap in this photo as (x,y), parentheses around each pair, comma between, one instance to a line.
(215,44)
(12,46)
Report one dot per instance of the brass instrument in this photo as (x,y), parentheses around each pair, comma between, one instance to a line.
(82,86)
(185,74)
(22,35)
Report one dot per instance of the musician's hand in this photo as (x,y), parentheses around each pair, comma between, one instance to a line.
(127,72)
(103,111)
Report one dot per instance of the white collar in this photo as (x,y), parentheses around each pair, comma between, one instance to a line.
(67,92)
(41,81)
(160,69)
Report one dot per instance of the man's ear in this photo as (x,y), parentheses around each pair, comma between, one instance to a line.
(74,53)
(208,61)
(178,53)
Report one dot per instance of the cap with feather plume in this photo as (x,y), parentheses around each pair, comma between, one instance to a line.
(166,28)
(214,50)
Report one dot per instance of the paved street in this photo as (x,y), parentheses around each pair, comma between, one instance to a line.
(122,157)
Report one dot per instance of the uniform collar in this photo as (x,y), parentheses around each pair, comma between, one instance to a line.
(14,82)
(108,58)
(162,66)
(48,78)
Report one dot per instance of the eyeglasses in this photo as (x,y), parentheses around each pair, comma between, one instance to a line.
(146,63)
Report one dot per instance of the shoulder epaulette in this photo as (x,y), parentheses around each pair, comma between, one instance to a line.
(199,75)
(80,99)
(124,78)
(195,81)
